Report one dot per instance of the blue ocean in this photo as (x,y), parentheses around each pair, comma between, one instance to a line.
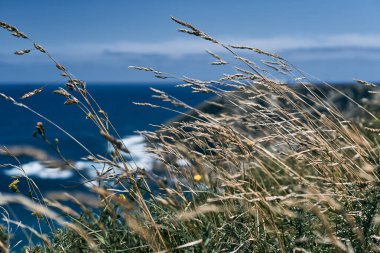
(18,125)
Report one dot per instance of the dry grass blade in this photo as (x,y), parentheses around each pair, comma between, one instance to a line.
(257,50)
(21,52)
(146,104)
(44,238)
(186,245)
(146,69)
(194,31)
(62,92)
(365,83)
(71,101)
(14,31)
(373,130)
(115,142)
(39,48)
(60,67)
(199,211)
(32,93)
(219,61)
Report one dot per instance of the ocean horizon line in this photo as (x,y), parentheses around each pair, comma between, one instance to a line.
(150,83)
(97,83)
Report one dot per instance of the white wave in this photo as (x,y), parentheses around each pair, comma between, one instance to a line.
(92,169)
(183,162)
(36,169)
(138,156)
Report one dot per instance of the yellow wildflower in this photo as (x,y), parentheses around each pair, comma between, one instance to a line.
(197,178)
(40,125)
(122,197)
(40,129)
(13,185)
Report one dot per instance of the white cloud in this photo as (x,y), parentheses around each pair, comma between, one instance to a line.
(294,46)
(180,47)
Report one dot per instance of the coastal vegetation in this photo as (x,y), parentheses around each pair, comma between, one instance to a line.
(277,165)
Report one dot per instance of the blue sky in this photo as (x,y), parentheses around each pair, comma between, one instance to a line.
(336,40)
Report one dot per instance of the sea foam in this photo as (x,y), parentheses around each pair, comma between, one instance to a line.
(138,158)
(36,169)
